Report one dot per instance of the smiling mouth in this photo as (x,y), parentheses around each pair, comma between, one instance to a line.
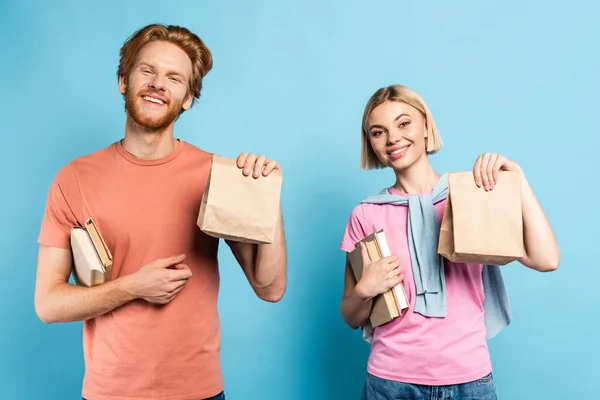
(398,151)
(153,100)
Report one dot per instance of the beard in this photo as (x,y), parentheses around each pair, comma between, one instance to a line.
(152,123)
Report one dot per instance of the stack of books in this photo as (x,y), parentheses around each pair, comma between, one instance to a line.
(389,305)
(92,260)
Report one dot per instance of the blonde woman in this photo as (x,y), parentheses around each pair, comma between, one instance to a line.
(438,348)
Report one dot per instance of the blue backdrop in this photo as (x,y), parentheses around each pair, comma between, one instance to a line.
(290,80)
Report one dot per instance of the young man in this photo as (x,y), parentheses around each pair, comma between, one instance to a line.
(152,332)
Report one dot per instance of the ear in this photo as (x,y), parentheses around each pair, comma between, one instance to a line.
(187,103)
(122,84)
(426,137)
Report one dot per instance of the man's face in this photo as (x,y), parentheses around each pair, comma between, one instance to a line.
(157,88)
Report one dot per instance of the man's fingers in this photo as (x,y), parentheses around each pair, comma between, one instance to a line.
(270,167)
(259,165)
(249,164)
(171,295)
(169,261)
(241,160)
(176,289)
(181,272)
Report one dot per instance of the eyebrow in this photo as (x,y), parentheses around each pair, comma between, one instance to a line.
(395,119)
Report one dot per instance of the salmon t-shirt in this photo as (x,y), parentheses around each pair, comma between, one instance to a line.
(414,348)
(145,210)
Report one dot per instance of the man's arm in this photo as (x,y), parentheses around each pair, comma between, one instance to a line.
(265,265)
(56,300)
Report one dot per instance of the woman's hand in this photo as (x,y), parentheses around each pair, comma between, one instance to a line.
(487,166)
(378,277)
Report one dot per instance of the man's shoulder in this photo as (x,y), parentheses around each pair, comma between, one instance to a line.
(95,160)
(95,157)
(195,151)
(196,158)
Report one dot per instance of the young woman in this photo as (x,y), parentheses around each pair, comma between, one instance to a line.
(437,349)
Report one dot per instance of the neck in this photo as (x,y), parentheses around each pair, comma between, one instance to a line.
(148,144)
(419,178)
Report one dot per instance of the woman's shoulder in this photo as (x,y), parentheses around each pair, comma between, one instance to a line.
(368,211)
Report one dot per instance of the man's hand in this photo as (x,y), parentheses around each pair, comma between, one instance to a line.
(160,281)
(257,165)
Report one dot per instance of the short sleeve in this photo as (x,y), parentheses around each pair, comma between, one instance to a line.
(58,218)
(355,230)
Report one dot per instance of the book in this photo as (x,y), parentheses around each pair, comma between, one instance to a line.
(92,260)
(389,305)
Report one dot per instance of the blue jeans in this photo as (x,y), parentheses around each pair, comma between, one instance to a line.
(383,389)
(220,396)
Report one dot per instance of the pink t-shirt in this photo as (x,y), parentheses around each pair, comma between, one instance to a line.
(414,348)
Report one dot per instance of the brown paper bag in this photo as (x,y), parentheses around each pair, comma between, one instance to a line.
(237,207)
(479,226)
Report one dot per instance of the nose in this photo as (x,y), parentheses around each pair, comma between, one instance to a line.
(393,136)
(157,82)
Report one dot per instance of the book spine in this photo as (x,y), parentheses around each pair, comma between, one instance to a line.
(399,294)
(375,253)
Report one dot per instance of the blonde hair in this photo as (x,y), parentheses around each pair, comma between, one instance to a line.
(403,94)
(188,41)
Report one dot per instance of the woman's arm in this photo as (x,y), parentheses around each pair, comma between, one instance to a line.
(541,247)
(377,277)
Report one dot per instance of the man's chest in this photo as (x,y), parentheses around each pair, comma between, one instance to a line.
(140,211)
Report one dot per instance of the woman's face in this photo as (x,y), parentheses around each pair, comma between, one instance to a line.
(397,133)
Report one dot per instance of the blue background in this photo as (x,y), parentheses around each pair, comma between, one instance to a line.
(290,80)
